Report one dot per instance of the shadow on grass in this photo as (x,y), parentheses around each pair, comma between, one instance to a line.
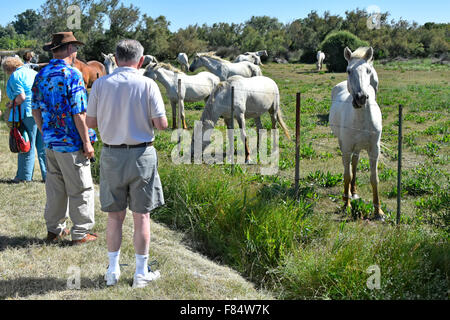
(27,286)
(25,242)
(323,119)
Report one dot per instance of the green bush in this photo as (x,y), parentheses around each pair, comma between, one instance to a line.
(334,45)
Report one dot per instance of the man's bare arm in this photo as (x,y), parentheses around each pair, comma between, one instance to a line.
(37,115)
(80,123)
(160,123)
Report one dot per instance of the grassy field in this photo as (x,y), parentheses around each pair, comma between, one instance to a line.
(306,249)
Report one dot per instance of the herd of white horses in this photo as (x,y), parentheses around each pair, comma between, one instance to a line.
(355,117)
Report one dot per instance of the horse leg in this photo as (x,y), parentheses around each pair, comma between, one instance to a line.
(183,118)
(230,133)
(347,177)
(378,213)
(355,160)
(241,122)
(259,126)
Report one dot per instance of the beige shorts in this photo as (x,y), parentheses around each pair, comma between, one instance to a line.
(129,178)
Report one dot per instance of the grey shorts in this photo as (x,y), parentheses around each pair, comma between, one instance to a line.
(129,178)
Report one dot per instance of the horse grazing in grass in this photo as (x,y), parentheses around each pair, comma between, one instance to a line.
(91,71)
(320,58)
(224,69)
(355,119)
(250,57)
(183,59)
(252,98)
(193,88)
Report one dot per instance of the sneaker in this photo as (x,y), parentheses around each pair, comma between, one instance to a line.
(141,281)
(112,278)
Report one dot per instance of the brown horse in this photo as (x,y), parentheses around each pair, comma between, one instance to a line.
(91,71)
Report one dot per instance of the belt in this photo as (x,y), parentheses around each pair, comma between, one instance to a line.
(128,146)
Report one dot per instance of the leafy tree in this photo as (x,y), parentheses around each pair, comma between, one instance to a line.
(27,21)
(334,45)
(187,41)
(154,35)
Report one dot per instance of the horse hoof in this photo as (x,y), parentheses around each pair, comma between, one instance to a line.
(250,162)
(355,196)
(379,217)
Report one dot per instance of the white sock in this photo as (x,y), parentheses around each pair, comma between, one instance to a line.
(141,264)
(114,261)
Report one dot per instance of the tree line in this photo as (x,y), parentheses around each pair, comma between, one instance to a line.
(104,22)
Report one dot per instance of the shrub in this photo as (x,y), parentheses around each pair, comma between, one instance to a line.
(334,45)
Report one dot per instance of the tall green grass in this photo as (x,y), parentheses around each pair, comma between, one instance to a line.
(252,224)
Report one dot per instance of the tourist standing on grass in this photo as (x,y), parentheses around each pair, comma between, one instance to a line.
(18,90)
(59,108)
(126,107)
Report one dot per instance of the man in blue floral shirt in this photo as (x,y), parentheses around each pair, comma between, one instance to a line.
(59,108)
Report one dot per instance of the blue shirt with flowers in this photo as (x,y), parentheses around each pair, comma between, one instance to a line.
(59,92)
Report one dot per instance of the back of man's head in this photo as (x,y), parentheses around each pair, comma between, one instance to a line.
(129,51)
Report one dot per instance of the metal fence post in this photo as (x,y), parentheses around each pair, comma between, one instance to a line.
(399,170)
(232,129)
(178,115)
(297,144)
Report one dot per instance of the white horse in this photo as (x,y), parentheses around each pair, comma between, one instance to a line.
(111,65)
(252,98)
(320,58)
(193,88)
(110,62)
(355,119)
(224,69)
(183,59)
(250,57)
(261,53)
(149,59)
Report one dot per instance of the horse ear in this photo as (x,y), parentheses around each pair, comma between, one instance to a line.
(369,55)
(347,53)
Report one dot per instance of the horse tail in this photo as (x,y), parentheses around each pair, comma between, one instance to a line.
(282,124)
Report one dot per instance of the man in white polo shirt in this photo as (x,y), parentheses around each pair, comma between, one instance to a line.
(126,107)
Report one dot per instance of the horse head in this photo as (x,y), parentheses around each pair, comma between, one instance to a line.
(110,63)
(150,71)
(196,63)
(359,69)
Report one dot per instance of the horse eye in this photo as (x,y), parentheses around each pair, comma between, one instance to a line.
(369,71)
(349,71)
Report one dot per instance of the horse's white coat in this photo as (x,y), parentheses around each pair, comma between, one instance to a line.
(251,57)
(224,69)
(320,57)
(252,98)
(183,59)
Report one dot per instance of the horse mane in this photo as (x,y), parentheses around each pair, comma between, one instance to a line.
(168,66)
(360,53)
(212,56)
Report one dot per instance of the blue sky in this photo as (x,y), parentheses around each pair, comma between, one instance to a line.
(181,13)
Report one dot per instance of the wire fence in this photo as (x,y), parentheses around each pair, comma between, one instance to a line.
(396,155)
